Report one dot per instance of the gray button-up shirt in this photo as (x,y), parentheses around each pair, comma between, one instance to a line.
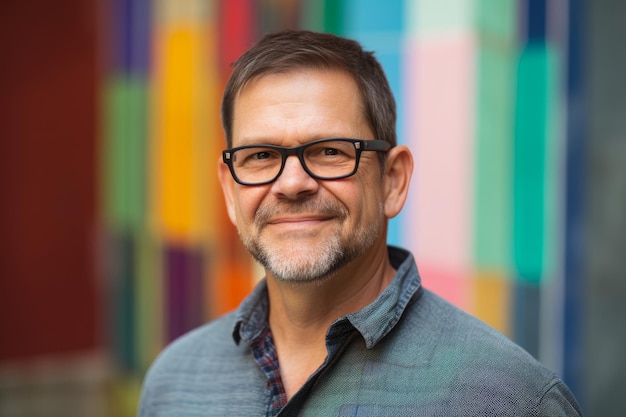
(408,353)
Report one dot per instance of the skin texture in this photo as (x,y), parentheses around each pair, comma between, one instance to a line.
(322,242)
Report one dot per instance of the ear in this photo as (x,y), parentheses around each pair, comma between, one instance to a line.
(228,184)
(397,177)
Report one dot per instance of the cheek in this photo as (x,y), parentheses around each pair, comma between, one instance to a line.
(362,199)
(247,202)
(370,197)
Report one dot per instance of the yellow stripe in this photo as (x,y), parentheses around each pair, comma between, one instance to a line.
(184,122)
(492,300)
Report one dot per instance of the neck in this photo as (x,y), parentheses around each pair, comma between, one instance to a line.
(301,313)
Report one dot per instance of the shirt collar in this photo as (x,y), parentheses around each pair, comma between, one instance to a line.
(374,321)
(251,317)
(377,319)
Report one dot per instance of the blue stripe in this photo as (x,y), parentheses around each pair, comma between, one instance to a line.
(574,216)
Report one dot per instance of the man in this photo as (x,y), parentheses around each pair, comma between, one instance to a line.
(341,325)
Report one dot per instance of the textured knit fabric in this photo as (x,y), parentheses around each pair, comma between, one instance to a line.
(409,353)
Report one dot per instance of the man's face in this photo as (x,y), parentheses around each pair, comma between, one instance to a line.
(299,228)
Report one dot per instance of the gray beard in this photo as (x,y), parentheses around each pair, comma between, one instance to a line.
(314,263)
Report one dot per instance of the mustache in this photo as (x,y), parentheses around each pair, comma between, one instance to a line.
(326,208)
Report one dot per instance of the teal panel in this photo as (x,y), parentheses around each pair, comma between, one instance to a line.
(533,133)
(124,167)
(334,16)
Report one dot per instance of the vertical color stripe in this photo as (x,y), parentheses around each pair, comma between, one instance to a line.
(122,267)
(492,300)
(184,120)
(574,238)
(494,135)
(185,297)
(535,93)
(444,170)
(124,152)
(334,12)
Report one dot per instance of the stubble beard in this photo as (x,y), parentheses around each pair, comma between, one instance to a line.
(291,262)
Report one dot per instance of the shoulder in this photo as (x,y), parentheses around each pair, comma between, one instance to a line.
(195,350)
(203,342)
(185,370)
(446,323)
(479,365)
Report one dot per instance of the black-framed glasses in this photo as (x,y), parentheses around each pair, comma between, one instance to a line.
(325,159)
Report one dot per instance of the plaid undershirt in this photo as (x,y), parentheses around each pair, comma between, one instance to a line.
(266,356)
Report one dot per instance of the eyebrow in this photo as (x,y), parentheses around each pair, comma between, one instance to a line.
(272,141)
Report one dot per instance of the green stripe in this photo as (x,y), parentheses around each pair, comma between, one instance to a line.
(124,166)
(334,16)
(148,306)
(554,167)
(495,114)
(497,20)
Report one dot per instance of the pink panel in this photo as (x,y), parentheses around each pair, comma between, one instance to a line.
(455,286)
(440,78)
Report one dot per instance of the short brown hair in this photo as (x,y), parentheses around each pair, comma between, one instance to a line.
(294,49)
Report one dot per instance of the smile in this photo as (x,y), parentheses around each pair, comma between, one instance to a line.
(298,221)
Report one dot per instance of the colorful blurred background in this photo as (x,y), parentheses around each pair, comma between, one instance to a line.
(113,235)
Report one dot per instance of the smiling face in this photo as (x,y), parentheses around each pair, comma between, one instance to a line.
(302,229)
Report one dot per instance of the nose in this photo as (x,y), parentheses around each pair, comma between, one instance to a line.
(294,182)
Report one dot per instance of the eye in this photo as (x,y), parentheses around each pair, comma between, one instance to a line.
(331,151)
(261,155)
(256,155)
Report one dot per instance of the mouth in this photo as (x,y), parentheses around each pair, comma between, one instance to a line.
(298,219)
(308,214)
(297,223)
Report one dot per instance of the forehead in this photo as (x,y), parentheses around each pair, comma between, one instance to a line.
(303,104)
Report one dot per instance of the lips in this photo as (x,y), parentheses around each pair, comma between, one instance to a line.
(300,225)
(298,219)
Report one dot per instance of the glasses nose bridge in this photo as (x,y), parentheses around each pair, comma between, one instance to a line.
(295,151)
